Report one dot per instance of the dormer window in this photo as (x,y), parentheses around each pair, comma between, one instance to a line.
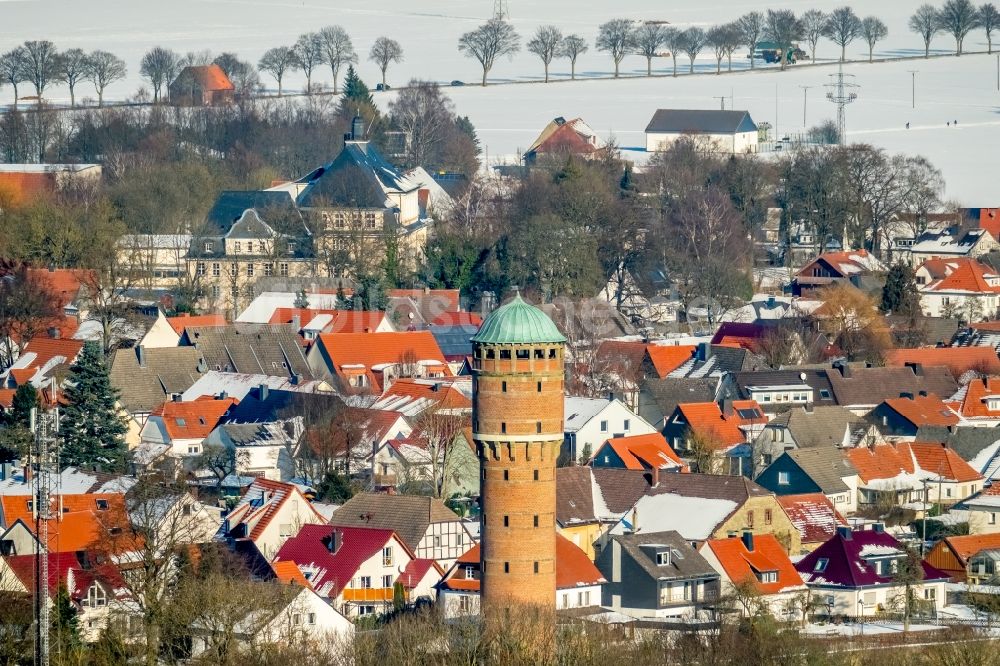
(470,573)
(767,576)
(102,505)
(209,246)
(96,597)
(292,245)
(238,247)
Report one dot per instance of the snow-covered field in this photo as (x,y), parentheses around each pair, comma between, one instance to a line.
(508,117)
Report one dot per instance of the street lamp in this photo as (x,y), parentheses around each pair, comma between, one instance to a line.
(861,615)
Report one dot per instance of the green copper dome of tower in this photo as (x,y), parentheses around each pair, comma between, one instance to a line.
(517,322)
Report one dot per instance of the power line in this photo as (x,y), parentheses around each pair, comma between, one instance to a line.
(501,10)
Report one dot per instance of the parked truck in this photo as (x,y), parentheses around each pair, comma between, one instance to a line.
(770,52)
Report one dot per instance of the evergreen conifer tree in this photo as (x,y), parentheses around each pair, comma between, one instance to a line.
(25,399)
(65,623)
(355,91)
(301,300)
(92,431)
(899,295)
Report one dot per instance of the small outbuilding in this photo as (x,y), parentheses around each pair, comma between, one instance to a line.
(721,131)
(202,85)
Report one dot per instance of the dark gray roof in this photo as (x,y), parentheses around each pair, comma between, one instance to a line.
(267,349)
(825,465)
(260,434)
(966,442)
(817,379)
(665,394)
(690,565)
(357,178)
(716,360)
(230,206)
(699,121)
(823,426)
(737,489)
(407,515)
(454,340)
(278,404)
(165,370)
(870,386)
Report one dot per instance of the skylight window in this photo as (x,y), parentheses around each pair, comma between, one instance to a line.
(821,565)
(181,422)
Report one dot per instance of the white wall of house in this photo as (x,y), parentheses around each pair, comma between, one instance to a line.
(160,334)
(444,542)
(286,523)
(614,420)
(459,603)
(983,518)
(935,303)
(308,617)
(736,143)
(578,597)
(874,599)
(370,589)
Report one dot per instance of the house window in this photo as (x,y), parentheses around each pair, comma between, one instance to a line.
(283,269)
(216,269)
(824,394)
(930,593)
(366,610)
(310,618)
(565,600)
(234,269)
(285,530)
(750,519)
(782,478)
(96,597)
(993,519)
(216,291)
(470,573)
(769,577)
(296,619)
(663,558)
(268,270)
(366,582)
(504,354)
(947,492)
(628,425)
(291,246)
(194,449)
(238,247)
(821,565)
(387,556)
(201,268)
(767,516)
(249,270)
(386,581)
(209,246)
(604,426)
(102,505)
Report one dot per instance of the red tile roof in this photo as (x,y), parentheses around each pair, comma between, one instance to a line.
(975,403)
(443,395)
(180,322)
(960,274)
(958,359)
(46,349)
(742,565)
(288,572)
(195,419)
(7,397)
(707,419)
(344,321)
(65,569)
(843,264)
(353,353)
(813,515)
(888,461)
(211,77)
(81,522)
(643,452)
(416,570)
(450,299)
(924,410)
(967,545)
(470,319)
(273,494)
(667,358)
(64,283)
(736,334)
(310,548)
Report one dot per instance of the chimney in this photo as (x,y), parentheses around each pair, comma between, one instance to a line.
(878,527)
(223,395)
(747,539)
(845,532)
(917,368)
(808,408)
(907,395)
(335,541)
(845,369)
(635,520)
(263,390)
(297,322)
(727,408)
(704,351)
(176,397)
(296,379)
(140,354)
(27,474)
(358,129)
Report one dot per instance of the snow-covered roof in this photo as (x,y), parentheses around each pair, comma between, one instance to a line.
(238,385)
(694,518)
(579,411)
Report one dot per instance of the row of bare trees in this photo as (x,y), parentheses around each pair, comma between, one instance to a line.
(956,18)
(39,63)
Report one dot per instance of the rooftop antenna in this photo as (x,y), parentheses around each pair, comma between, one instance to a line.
(842,90)
(501,10)
(45,426)
(722,100)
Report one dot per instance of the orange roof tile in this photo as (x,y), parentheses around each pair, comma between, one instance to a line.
(288,572)
(344,321)
(958,359)
(706,419)
(573,567)
(975,404)
(813,515)
(642,452)
(967,545)
(880,462)
(65,283)
(45,349)
(180,322)
(195,419)
(960,274)
(667,358)
(82,519)
(924,410)
(450,298)
(767,555)
(887,461)
(210,77)
(986,326)
(457,319)
(937,459)
(7,398)
(445,395)
(364,353)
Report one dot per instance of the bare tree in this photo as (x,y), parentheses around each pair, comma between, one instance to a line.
(675,42)
(27,308)
(13,69)
(572,47)
(441,430)
(694,41)
(309,52)
(874,31)
(783,28)
(104,69)
(615,37)
(42,65)
(958,18)
(384,52)
(925,22)
(751,27)
(813,26)
(159,65)
(491,40)
(337,50)
(989,20)
(425,115)
(733,40)
(720,38)
(843,28)
(545,44)
(276,62)
(75,66)
(649,39)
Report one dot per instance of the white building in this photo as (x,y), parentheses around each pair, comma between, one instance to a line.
(960,287)
(732,132)
(592,421)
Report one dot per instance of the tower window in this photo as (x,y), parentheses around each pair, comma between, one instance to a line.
(552,353)
(506,521)
(536,567)
(503,428)
(503,387)
(506,567)
(536,475)
(490,353)
(538,426)
(482,474)
(536,521)
(523,353)
(539,387)
(504,353)
(506,475)
(539,353)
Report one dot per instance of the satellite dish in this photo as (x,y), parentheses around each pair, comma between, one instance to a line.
(802,376)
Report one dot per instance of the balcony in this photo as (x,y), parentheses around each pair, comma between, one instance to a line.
(368,594)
